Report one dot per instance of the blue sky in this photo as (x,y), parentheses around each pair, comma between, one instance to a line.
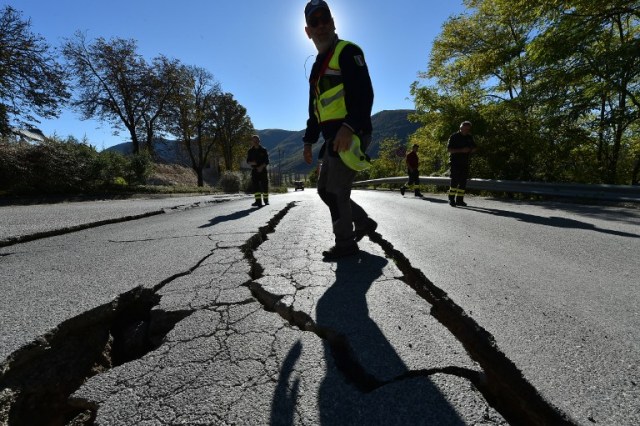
(257,50)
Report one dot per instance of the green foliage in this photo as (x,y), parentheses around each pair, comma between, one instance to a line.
(388,163)
(66,167)
(552,88)
(112,167)
(313,178)
(55,167)
(432,154)
(139,168)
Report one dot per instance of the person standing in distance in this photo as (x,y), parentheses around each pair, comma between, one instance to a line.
(413,172)
(340,103)
(258,159)
(460,147)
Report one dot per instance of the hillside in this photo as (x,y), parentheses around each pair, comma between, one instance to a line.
(285,146)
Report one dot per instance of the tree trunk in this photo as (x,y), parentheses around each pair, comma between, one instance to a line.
(135,142)
(200,174)
(149,145)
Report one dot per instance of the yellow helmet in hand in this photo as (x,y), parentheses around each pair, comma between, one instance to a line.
(354,157)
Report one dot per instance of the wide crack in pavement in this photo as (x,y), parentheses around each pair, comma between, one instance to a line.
(501,383)
(38,379)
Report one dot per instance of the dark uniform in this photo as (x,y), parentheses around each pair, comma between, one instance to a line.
(259,179)
(460,162)
(335,178)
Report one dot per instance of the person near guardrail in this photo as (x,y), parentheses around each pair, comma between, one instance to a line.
(413,172)
(340,103)
(258,159)
(460,147)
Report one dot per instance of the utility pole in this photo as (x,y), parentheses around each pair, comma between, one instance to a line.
(279,166)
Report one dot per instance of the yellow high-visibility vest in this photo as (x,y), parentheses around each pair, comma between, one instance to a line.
(329,102)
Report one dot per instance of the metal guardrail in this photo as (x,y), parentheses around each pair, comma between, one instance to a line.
(569,190)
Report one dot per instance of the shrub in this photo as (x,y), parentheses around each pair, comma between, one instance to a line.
(111,168)
(11,166)
(67,166)
(50,167)
(229,182)
(140,168)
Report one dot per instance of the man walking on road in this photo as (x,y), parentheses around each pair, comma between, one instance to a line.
(258,159)
(460,147)
(340,102)
(413,172)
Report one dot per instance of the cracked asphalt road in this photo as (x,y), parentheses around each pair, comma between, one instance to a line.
(232,362)
(267,333)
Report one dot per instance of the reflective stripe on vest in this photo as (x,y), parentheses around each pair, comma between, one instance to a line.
(330,104)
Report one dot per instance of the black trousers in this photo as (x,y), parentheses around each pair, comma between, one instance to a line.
(459,176)
(414,178)
(260,181)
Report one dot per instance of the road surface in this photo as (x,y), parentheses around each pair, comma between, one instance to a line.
(209,312)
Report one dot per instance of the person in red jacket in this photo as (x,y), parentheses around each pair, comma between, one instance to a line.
(413,172)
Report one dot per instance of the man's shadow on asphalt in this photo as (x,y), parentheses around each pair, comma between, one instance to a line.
(558,222)
(434,200)
(362,363)
(233,216)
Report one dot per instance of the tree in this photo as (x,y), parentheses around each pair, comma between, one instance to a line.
(189,115)
(232,129)
(482,73)
(595,48)
(162,81)
(390,161)
(553,85)
(117,85)
(32,83)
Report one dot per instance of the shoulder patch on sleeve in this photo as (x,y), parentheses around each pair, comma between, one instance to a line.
(359,60)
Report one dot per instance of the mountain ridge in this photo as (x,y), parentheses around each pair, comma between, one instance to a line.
(285,146)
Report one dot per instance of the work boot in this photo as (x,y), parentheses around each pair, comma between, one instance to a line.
(338,252)
(452,201)
(460,202)
(257,204)
(417,193)
(402,189)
